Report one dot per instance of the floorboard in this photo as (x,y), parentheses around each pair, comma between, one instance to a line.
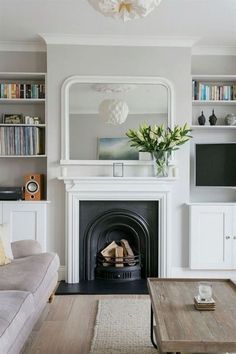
(66,326)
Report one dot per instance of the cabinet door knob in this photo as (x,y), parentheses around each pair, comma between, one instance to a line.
(227,237)
(234,237)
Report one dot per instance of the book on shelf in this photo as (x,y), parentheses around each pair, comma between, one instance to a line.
(203,91)
(22,91)
(21,141)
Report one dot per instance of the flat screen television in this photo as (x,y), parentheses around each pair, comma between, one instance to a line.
(216,165)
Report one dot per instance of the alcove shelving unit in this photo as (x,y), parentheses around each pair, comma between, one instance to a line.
(33,158)
(222,107)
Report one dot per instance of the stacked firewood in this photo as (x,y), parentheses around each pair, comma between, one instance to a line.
(118,254)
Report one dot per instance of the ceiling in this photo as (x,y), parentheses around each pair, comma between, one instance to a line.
(213,22)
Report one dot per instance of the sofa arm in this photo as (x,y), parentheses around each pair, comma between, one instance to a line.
(25,248)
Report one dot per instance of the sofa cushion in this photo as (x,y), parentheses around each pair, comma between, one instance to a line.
(5,245)
(29,273)
(3,258)
(15,309)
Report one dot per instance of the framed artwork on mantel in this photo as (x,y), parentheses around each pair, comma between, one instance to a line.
(116,149)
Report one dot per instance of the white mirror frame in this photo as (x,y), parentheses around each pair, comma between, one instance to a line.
(65,113)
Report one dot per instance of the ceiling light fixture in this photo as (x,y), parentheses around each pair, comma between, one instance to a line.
(125,9)
(113,111)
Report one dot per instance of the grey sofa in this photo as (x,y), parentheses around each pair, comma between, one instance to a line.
(25,286)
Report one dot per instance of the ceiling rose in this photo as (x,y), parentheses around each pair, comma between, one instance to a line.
(125,9)
(113,88)
(113,111)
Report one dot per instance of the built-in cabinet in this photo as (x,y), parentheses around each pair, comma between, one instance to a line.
(212,236)
(26,220)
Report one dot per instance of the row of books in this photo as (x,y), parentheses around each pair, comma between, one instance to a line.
(21,141)
(18,90)
(213,92)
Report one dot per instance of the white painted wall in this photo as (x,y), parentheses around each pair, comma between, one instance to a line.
(172,63)
(23,61)
(213,64)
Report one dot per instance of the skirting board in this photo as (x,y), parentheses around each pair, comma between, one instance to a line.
(179,272)
(61,273)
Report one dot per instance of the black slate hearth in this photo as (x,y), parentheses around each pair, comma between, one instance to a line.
(101,287)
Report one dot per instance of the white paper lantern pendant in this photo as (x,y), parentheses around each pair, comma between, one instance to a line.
(113,111)
(125,9)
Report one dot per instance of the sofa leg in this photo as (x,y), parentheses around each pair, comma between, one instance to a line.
(51,298)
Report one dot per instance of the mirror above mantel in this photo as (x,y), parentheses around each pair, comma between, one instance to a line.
(97,112)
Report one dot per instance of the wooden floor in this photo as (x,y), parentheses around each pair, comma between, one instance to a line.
(66,326)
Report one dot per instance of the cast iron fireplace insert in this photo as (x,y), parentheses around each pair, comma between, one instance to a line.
(102,222)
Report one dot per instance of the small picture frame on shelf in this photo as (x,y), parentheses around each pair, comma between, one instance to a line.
(37,120)
(12,118)
(118,169)
(32,120)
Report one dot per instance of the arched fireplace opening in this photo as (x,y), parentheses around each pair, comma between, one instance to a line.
(118,240)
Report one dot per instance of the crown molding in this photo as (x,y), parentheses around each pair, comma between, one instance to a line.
(213,50)
(118,40)
(19,46)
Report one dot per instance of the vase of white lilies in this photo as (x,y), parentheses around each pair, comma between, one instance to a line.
(160,142)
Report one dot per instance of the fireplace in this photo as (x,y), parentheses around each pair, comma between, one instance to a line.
(107,224)
(123,194)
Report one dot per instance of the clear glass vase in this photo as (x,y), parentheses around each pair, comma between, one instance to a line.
(160,163)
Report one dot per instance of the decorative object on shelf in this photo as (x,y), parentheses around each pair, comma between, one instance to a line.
(118,169)
(12,118)
(161,163)
(145,156)
(113,111)
(201,119)
(125,9)
(113,88)
(230,119)
(213,118)
(175,171)
(159,141)
(116,149)
(32,120)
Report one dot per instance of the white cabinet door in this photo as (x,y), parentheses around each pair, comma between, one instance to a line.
(211,232)
(234,239)
(26,221)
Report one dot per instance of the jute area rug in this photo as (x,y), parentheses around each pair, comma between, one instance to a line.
(122,327)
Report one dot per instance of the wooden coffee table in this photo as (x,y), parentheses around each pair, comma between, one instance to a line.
(181,328)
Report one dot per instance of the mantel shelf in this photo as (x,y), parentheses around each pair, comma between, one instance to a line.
(106,179)
(109,162)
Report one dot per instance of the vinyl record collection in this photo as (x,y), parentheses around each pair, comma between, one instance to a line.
(21,141)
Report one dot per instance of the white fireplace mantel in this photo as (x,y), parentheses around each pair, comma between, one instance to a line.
(111,188)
